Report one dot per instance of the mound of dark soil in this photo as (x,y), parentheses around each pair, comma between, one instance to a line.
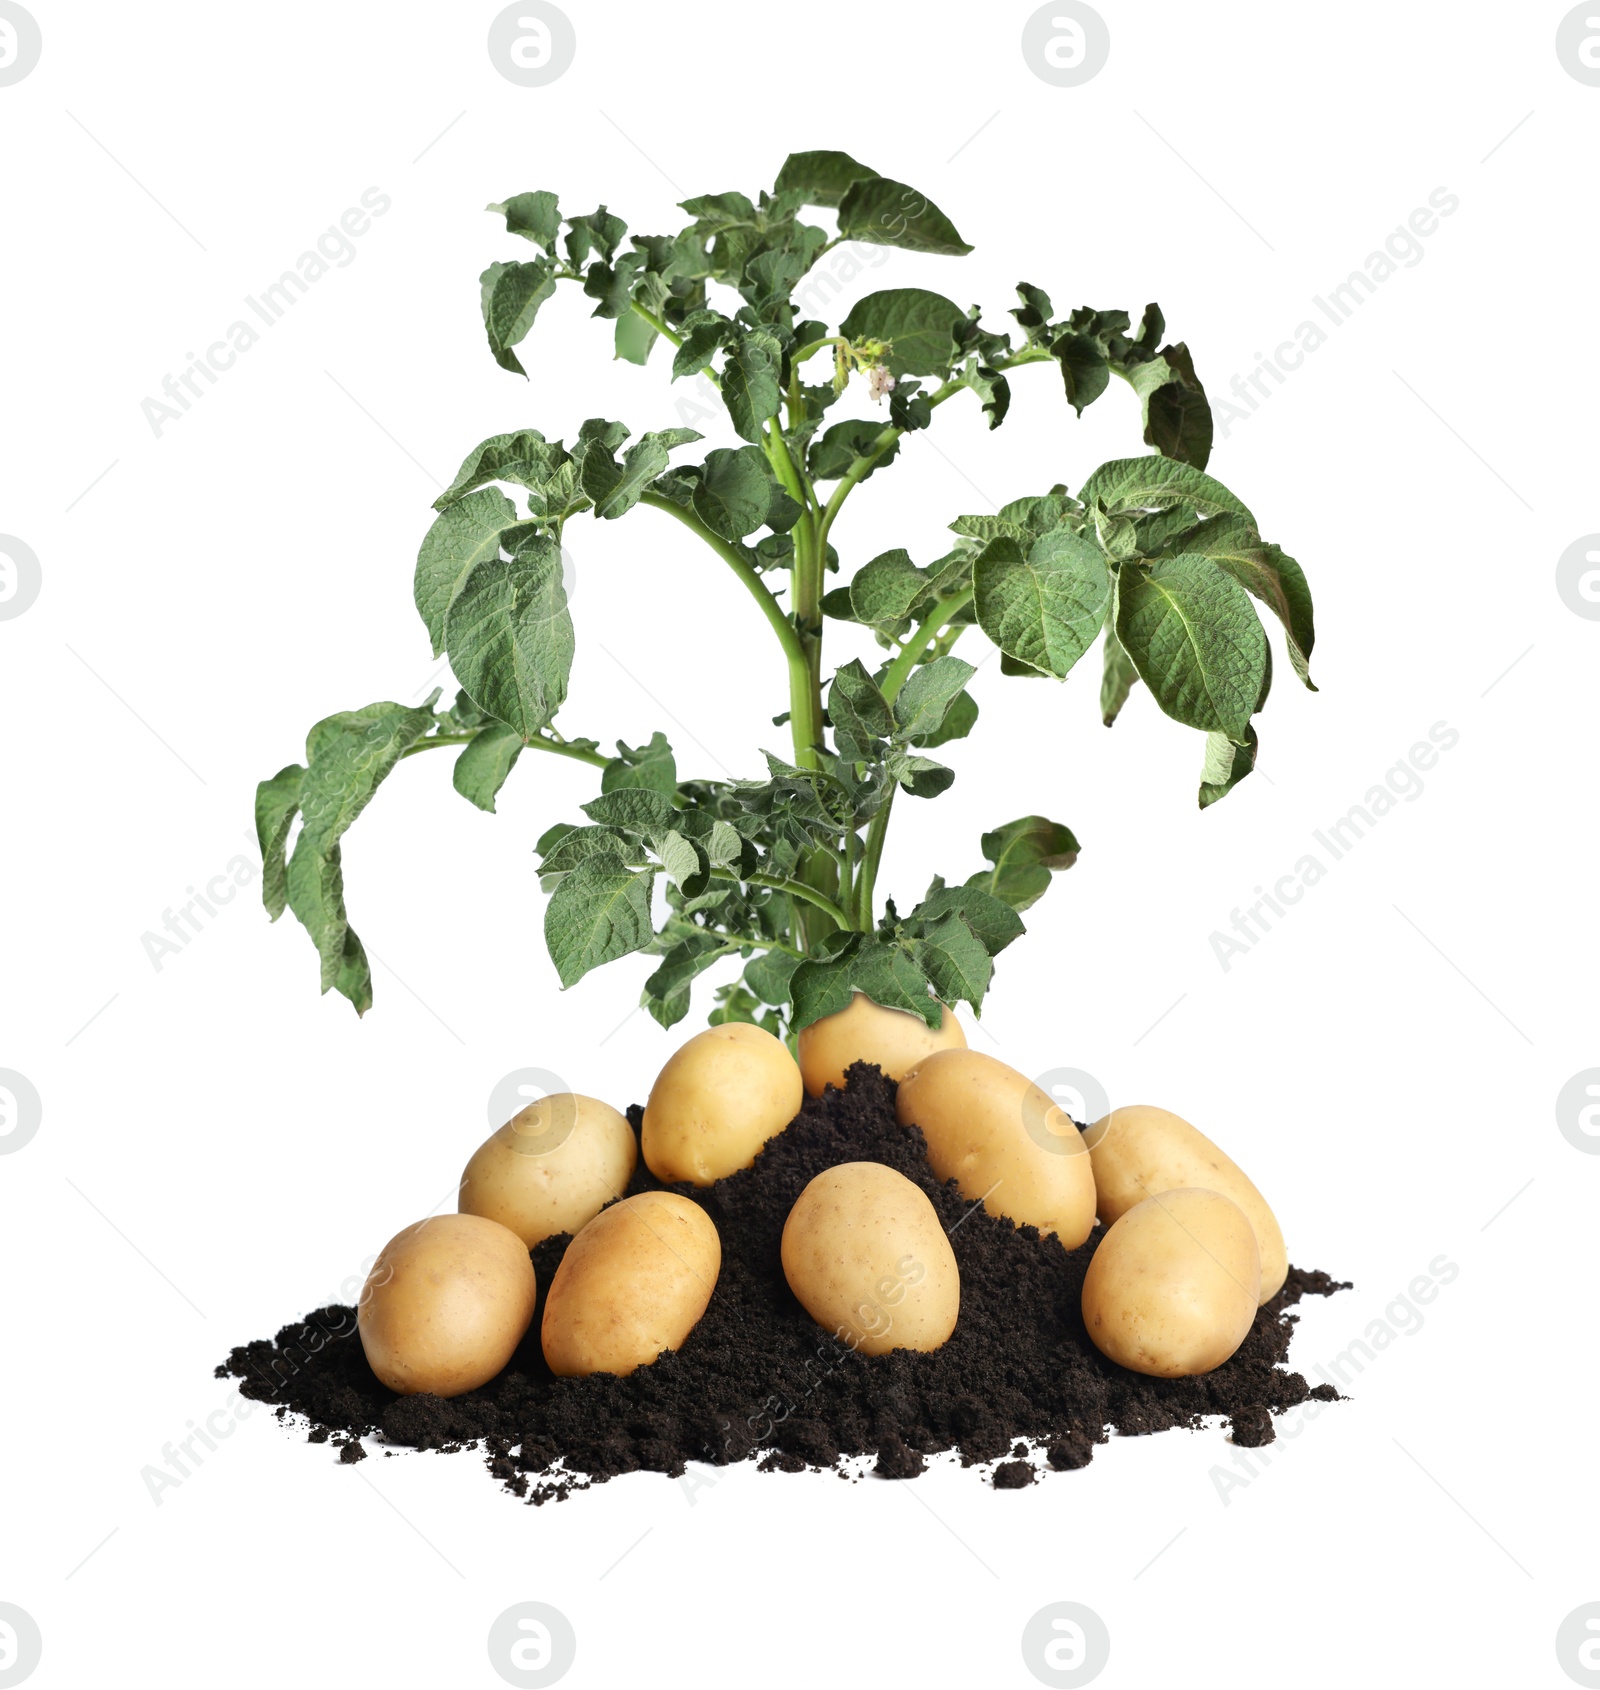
(758,1378)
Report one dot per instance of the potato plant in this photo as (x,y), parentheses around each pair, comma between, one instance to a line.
(1150,557)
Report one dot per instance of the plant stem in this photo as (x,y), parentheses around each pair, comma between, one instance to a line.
(734,557)
(862,467)
(898,672)
(847,880)
(558,748)
(659,325)
(805,597)
(868,878)
(795,889)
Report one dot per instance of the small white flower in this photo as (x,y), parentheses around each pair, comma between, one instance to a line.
(879,381)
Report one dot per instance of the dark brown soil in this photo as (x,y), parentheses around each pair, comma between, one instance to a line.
(757,1378)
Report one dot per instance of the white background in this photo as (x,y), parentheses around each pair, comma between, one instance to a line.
(221,1148)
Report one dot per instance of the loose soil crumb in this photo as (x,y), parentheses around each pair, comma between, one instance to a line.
(758,1379)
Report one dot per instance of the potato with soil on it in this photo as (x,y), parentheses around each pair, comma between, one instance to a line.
(446,1305)
(551,1168)
(718,1100)
(633,1283)
(1001,1139)
(865,1253)
(892,1039)
(1139,1150)
(1173,1287)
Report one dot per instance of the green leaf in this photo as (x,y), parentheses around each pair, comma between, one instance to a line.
(842,444)
(919,325)
(734,1003)
(703,335)
(536,217)
(920,776)
(510,636)
(600,431)
(769,975)
(887,213)
(1038,513)
(992,389)
(750,382)
(573,845)
(1156,483)
(277,804)
(1226,765)
(1022,856)
(685,865)
(1117,680)
(485,762)
(725,845)
(347,757)
(956,961)
(634,338)
(822,177)
(925,700)
(1118,536)
(890,976)
(1156,532)
(600,232)
(525,459)
(1280,583)
(1265,571)
(994,921)
(647,768)
(858,710)
(633,810)
(835,603)
(469,532)
(1044,609)
(1035,311)
(885,972)
(716,212)
(1195,640)
(960,719)
(1083,368)
(986,528)
(1177,414)
(666,992)
(512,295)
(616,488)
(599,912)
(734,492)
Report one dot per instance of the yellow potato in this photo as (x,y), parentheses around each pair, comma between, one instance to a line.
(551,1168)
(718,1100)
(632,1284)
(446,1304)
(865,1031)
(1001,1138)
(864,1252)
(1140,1150)
(1174,1285)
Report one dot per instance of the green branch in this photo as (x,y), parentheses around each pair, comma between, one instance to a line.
(557,747)
(658,324)
(795,889)
(736,560)
(864,465)
(899,671)
(867,880)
